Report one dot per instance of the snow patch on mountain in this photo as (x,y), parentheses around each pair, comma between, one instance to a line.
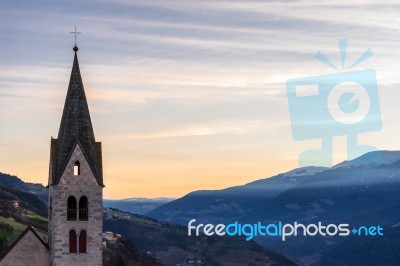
(308,170)
(372,158)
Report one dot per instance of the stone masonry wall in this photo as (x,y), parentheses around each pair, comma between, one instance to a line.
(84,184)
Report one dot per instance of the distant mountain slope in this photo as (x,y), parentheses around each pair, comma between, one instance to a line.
(25,200)
(372,250)
(136,205)
(14,182)
(363,191)
(231,203)
(122,252)
(171,245)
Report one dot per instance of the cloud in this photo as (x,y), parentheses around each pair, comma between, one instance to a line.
(224,127)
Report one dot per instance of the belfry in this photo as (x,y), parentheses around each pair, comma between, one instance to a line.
(75,183)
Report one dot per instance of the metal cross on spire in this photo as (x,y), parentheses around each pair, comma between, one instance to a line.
(76,33)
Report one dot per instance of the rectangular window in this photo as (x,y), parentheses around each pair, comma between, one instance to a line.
(77,168)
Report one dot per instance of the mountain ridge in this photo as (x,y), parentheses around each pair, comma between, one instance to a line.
(373,157)
(347,193)
(137,205)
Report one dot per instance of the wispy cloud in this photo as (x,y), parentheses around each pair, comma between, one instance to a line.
(238,127)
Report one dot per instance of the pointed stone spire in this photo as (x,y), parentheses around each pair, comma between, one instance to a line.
(76,126)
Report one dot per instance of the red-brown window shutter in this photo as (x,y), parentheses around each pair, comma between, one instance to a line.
(82,242)
(72,242)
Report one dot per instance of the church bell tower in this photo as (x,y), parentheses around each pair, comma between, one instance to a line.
(75,183)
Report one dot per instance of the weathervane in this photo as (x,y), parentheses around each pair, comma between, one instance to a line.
(76,33)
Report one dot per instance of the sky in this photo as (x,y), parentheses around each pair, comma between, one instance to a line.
(184,95)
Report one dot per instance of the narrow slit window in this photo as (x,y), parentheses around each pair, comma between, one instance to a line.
(77,168)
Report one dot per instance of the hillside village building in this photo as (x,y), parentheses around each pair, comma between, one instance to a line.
(75,192)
